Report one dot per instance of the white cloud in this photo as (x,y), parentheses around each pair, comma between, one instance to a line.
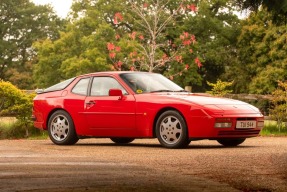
(61,7)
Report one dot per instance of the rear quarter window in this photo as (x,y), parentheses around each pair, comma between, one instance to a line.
(81,88)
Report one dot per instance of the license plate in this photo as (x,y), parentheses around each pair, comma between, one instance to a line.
(245,124)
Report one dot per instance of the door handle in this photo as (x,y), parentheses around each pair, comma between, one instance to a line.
(91,103)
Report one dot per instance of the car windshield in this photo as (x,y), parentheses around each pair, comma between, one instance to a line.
(150,83)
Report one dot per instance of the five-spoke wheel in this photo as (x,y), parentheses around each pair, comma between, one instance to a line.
(61,128)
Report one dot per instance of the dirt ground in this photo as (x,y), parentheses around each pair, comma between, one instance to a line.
(259,164)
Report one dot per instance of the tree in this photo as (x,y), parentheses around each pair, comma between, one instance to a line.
(279,102)
(80,49)
(261,48)
(22,23)
(216,32)
(150,35)
(155,43)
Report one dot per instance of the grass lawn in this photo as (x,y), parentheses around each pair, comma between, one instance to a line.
(271,129)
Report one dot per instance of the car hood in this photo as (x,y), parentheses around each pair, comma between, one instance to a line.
(217,104)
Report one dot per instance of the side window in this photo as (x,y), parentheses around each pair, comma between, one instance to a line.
(81,88)
(102,85)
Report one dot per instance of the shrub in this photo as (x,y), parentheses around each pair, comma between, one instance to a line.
(219,88)
(14,102)
(278,111)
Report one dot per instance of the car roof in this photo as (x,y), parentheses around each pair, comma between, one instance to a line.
(111,73)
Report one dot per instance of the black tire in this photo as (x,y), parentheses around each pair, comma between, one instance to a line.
(121,140)
(231,142)
(171,130)
(61,129)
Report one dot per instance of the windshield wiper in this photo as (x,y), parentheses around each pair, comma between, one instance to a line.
(162,90)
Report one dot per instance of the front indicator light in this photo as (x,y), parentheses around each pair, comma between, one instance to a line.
(223,125)
(260,124)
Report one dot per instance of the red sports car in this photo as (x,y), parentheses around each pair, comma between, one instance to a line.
(123,106)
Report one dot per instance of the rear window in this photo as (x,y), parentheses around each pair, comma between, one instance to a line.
(60,86)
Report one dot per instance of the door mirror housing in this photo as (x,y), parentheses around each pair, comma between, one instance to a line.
(116,92)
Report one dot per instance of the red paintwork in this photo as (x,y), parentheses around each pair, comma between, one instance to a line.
(134,115)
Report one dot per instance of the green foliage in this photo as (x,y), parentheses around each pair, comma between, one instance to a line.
(279,102)
(10,96)
(22,23)
(14,102)
(14,129)
(148,36)
(219,88)
(261,47)
(80,49)
(216,33)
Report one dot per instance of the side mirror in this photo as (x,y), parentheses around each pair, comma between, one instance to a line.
(116,92)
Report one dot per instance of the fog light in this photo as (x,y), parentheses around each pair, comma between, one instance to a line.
(223,125)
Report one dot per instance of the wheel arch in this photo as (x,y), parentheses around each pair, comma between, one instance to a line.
(161,111)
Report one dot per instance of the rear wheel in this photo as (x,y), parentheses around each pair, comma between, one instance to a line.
(122,140)
(61,129)
(171,130)
(231,142)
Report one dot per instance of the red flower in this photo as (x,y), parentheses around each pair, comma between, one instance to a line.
(133,35)
(118,49)
(118,17)
(192,7)
(141,37)
(178,58)
(112,55)
(116,21)
(110,46)
(164,57)
(120,64)
(197,62)
(145,5)
(190,50)
(186,67)
(186,34)
(133,54)
(132,68)
(186,42)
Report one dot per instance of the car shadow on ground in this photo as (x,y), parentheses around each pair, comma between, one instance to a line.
(155,145)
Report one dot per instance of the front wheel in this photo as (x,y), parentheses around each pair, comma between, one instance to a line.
(61,129)
(122,140)
(231,142)
(171,130)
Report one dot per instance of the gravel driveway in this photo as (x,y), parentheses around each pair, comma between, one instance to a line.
(259,164)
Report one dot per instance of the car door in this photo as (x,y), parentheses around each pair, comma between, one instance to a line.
(109,115)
